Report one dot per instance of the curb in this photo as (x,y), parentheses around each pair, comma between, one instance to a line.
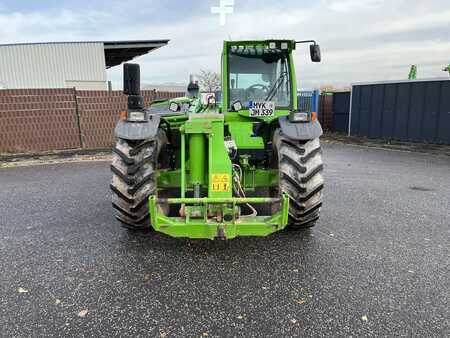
(405,146)
(54,157)
(14,157)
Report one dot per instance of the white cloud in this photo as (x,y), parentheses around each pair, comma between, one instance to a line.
(351,5)
(45,26)
(361,40)
(424,21)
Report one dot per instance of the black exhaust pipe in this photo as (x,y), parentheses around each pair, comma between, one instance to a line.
(132,86)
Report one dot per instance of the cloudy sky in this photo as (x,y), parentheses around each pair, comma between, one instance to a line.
(361,40)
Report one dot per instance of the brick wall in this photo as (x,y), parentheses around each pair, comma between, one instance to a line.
(98,113)
(38,120)
(47,119)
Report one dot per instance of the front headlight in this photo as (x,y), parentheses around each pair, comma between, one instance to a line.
(136,116)
(174,107)
(299,117)
(237,106)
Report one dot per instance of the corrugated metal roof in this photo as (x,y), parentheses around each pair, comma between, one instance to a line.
(401,81)
(65,64)
(115,42)
(116,52)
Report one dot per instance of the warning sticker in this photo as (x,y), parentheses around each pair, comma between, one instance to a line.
(221,182)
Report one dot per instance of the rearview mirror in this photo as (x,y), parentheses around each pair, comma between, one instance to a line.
(131,79)
(314,50)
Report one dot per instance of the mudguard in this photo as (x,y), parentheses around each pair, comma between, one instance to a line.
(138,130)
(300,130)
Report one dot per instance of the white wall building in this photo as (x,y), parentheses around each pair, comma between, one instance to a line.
(66,64)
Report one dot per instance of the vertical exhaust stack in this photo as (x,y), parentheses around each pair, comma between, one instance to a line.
(193,89)
(132,86)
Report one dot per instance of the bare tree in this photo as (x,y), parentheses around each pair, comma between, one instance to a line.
(447,69)
(333,88)
(209,80)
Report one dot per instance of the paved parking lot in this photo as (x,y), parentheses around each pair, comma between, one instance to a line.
(376,264)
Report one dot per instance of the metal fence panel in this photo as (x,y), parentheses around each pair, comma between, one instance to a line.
(431,112)
(341,108)
(388,117)
(377,111)
(308,100)
(415,117)
(443,125)
(406,110)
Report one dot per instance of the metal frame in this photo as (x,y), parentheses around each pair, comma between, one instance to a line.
(202,227)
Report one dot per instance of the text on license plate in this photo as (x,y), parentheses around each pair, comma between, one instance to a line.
(261,108)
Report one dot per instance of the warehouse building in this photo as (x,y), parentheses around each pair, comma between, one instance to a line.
(67,64)
(403,110)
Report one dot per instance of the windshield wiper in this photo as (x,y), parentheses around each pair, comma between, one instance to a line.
(276,86)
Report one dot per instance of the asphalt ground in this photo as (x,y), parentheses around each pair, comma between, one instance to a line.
(376,264)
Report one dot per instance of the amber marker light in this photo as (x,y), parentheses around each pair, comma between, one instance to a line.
(123,115)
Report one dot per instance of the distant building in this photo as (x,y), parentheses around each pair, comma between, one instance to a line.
(66,64)
(166,87)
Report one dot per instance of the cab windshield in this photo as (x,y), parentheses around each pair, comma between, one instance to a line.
(258,74)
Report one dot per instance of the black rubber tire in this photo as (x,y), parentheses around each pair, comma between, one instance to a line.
(133,181)
(300,166)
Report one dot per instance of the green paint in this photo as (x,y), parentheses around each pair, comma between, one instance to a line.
(218,160)
(242,134)
(183,163)
(199,227)
(252,179)
(293,83)
(197,158)
(259,178)
(218,200)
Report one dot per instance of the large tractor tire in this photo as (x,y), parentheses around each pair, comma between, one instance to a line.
(300,166)
(133,181)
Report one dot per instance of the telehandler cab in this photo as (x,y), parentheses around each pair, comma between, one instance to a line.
(248,165)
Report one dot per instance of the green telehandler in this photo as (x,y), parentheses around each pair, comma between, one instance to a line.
(248,164)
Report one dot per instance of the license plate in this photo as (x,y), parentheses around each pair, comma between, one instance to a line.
(261,108)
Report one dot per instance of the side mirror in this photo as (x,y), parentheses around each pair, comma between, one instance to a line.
(131,79)
(314,50)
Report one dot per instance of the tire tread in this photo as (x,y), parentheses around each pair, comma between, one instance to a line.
(133,181)
(301,178)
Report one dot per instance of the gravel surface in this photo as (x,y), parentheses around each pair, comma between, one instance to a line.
(377,263)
